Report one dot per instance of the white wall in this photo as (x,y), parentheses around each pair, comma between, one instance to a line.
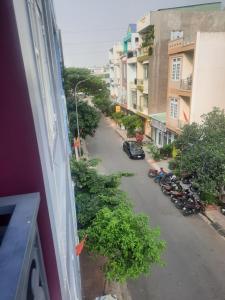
(209,74)
(40,50)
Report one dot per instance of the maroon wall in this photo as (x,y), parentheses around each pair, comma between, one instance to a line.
(19,157)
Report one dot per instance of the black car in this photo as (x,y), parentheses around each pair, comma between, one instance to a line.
(133,150)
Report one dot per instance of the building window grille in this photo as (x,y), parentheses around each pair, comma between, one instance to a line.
(176,68)
(173,108)
(145,71)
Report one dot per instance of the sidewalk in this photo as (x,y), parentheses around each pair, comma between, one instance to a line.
(212,215)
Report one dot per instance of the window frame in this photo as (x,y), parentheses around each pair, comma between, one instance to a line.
(175,71)
(174,108)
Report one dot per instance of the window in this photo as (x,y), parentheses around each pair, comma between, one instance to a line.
(174,35)
(146,71)
(173,108)
(134,97)
(160,138)
(145,101)
(176,68)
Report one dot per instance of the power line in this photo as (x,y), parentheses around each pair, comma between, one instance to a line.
(91,30)
(97,42)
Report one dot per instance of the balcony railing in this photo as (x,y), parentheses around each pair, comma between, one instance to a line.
(140,85)
(140,81)
(144,53)
(186,84)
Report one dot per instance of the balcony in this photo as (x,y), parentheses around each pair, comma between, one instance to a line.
(140,85)
(131,54)
(143,23)
(133,84)
(179,45)
(186,84)
(144,53)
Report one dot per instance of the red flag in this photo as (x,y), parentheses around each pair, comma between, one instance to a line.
(185,117)
(79,247)
(76,143)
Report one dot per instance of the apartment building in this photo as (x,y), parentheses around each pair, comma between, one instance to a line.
(196,78)
(130,46)
(147,94)
(38,230)
(115,71)
(172,24)
(146,38)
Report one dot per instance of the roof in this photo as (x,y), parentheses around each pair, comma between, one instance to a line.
(208,6)
(161,117)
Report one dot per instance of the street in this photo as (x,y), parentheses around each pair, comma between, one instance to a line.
(195,254)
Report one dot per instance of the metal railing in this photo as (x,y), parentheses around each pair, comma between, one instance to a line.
(186,84)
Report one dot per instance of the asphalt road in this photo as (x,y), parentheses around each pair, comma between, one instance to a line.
(195,255)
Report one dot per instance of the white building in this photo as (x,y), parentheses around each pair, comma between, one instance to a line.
(115,71)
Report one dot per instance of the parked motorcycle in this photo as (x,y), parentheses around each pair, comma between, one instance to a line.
(222,209)
(177,195)
(152,173)
(168,188)
(193,207)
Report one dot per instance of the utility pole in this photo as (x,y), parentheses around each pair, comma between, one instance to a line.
(77,147)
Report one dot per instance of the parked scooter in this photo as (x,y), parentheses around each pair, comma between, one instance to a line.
(177,195)
(168,188)
(192,208)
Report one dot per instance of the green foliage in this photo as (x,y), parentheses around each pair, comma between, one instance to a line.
(118,117)
(130,245)
(104,104)
(148,37)
(88,118)
(202,152)
(154,151)
(172,164)
(132,123)
(166,150)
(93,85)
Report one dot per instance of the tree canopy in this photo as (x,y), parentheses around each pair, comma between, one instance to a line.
(88,117)
(202,152)
(114,231)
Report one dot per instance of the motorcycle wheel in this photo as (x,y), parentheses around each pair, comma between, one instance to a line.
(173,199)
(186,212)
(179,205)
(151,174)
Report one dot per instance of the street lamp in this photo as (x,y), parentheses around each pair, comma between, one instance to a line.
(78,129)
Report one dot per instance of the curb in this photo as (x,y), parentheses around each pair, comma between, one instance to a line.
(220,229)
(214,224)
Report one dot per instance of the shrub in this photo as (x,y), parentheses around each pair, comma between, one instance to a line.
(154,151)
(172,164)
(166,150)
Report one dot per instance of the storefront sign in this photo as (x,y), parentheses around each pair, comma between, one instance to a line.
(118,108)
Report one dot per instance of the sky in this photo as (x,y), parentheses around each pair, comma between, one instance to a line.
(91,27)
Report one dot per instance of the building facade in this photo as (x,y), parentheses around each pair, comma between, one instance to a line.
(196,77)
(35,155)
(147,94)
(115,72)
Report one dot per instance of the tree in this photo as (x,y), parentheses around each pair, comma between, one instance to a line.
(114,231)
(88,118)
(131,123)
(127,241)
(93,85)
(202,152)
